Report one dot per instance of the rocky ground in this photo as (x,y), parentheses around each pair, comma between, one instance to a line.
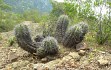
(14,58)
(18,59)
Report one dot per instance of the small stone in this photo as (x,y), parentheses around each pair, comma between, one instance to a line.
(37,66)
(103,62)
(103,52)
(44,60)
(66,58)
(74,56)
(81,46)
(12,56)
(15,64)
(81,52)
(109,51)
(86,62)
(40,66)
(14,50)
(54,63)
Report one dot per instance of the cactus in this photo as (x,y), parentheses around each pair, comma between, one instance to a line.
(38,38)
(23,37)
(61,28)
(84,27)
(50,45)
(40,52)
(75,35)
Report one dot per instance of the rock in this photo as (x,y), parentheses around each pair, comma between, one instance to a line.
(17,65)
(47,66)
(109,51)
(81,52)
(40,66)
(12,56)
(72,55)
(53,63)
(75,55)
(44,60)
(81,46)
(29,66)
(103,52)
(66,58)
(13,50)
(86,62)
(103,62)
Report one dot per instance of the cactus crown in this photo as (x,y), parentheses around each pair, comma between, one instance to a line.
(50,40)
(80,27)
(63,19)
(84,27)
(22,31)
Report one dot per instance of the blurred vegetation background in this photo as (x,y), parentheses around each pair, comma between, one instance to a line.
(95,12)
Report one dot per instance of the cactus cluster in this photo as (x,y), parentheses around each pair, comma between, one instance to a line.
(61,28)
(75,35)
(45,45)
(23,37)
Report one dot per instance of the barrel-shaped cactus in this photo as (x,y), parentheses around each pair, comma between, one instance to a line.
(75,35)
(23,37)
(50,45)
(61,28)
